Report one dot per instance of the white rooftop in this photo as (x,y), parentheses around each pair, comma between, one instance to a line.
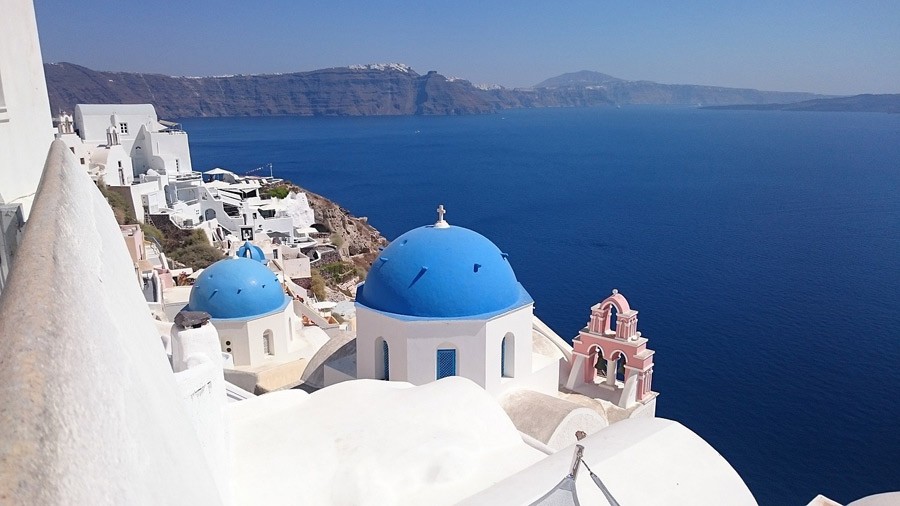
(369,442)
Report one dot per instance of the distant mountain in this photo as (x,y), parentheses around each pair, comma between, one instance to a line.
(368,90)
(856,103)
(347,91)
(583,78)
(620,91)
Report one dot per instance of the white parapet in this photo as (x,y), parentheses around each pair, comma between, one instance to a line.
(91,411)
(198,361)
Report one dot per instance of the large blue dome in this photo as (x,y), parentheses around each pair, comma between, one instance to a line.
(441,272)
(237,288)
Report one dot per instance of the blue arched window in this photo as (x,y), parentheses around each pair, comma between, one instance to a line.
(446,363)
(386,360)
(382,364)
(503,357)
(507,355)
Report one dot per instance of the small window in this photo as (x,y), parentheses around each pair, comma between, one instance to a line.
(507,355)
(120,164)
(268,345)
(123,128)
(446,363)
(385,361)
(82,161)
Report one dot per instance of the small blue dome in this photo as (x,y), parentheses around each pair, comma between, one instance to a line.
(237,288)
(436,272)
(252,251)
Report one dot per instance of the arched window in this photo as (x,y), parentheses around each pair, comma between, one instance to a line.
(446,363)
(507,355)
(210,214)
(268,343)
(382,359)
(601,363)
(613,314)
(620,368)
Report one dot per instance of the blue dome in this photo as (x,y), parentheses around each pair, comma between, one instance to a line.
(237,288)
(435,272)
(252,251)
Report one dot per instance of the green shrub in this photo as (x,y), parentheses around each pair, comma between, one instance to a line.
(318,285)
(192,248)
(152,232)
(280,191)
(119,205)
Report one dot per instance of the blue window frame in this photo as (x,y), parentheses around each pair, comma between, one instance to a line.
(386,360)
(503,371)
(446,363)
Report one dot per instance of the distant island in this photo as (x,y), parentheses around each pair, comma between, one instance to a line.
(371,90)
(856,103)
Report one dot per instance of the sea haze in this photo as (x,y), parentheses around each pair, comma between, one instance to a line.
(761,249)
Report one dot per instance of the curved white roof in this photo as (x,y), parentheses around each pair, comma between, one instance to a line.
(641,461)
(369,442)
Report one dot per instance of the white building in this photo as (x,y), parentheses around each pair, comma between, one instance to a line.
(441,301)
(25,125)
(254,317)
(152,144)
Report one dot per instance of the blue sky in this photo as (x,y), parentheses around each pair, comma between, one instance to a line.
(826,46)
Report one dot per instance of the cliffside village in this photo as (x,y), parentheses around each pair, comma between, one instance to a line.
(130,380)
(130,152)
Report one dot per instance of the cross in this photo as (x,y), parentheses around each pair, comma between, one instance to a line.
(441,211)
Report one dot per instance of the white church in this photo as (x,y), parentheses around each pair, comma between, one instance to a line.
(450,392)
(443,301)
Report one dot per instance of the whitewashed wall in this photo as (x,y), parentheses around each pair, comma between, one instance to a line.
(91,410)
(25,125)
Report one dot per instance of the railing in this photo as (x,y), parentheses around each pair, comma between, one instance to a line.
(91,410)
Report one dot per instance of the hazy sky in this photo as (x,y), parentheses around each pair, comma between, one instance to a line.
(826,46)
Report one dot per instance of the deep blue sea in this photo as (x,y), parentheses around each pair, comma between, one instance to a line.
(762,250)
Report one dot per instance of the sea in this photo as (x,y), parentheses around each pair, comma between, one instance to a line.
(761,249)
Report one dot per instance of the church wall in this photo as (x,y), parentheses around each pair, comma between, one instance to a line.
(234,335)
(26,129)
(422,352)
(413,346)
(246,337)
(518,323)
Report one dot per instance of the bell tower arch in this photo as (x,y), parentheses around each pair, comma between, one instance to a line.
(612,361)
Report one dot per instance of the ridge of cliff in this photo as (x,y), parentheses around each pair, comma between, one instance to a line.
(371,90)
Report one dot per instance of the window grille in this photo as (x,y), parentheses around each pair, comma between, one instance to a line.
(386,360)
(446,363)
(268,344)
(123,128)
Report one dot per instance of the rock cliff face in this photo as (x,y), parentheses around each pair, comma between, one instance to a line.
(586,86)
(356,237)
(369,90)
(858,103)
(365,91)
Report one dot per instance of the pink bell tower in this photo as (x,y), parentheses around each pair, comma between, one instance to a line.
(599,342)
